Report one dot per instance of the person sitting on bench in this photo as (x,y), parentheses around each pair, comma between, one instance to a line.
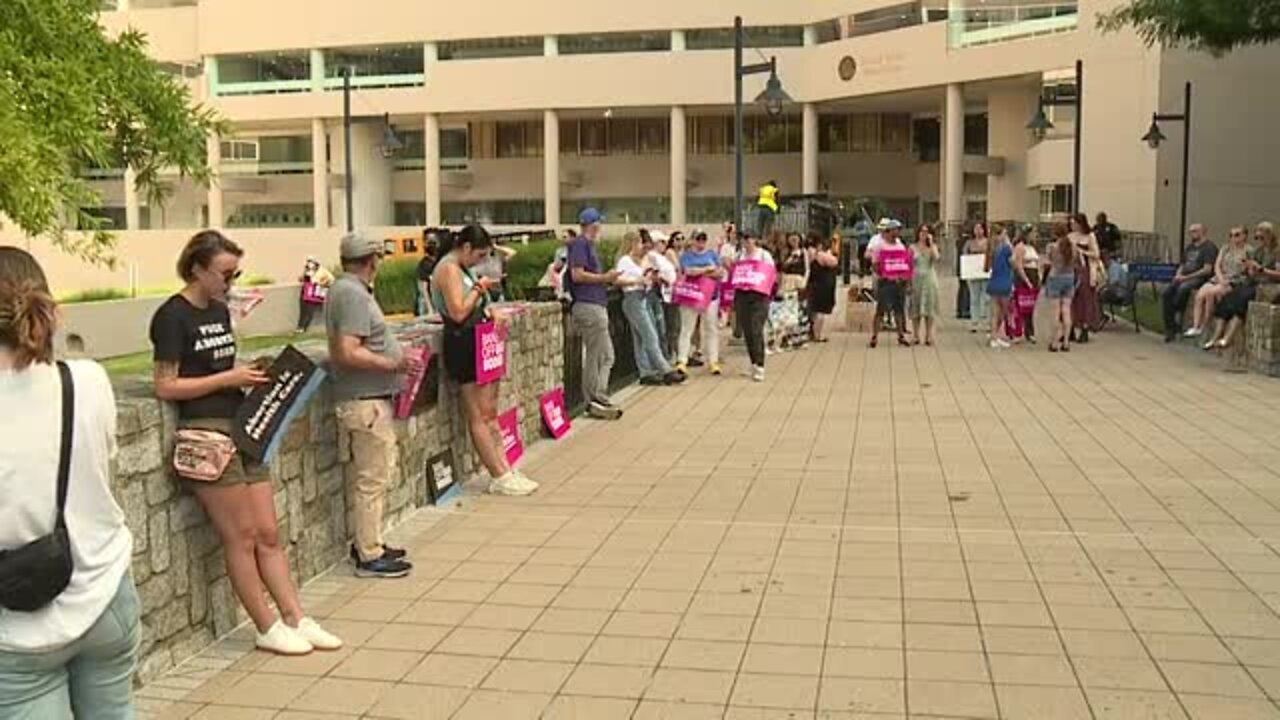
(1197,267)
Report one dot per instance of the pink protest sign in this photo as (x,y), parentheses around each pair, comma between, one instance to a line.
(509,426)
(413,381)
(554,414)
(754,276)
(893,262)
(693,292)
(314,293)
(491,352)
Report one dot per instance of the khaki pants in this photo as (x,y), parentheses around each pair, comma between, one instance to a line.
(373,460)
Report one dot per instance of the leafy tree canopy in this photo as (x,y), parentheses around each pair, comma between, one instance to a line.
(1216,26)
(72,98)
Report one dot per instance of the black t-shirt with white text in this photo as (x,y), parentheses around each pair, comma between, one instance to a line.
(201,342)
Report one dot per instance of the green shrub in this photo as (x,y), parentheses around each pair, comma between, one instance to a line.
(255,281)
(526,269)
(396,287)
(94,295)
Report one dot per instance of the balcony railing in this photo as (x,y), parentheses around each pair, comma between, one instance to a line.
(261,87)
(378,81)
(252,167)
(988,25)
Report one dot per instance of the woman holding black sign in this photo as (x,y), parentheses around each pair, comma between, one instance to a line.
(463,302)
(195,367)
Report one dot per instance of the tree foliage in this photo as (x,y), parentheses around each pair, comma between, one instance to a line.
(1215,26)
(72,98)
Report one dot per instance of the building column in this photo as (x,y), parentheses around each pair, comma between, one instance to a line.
(430,56)
(210,76)
(319,173)
(678,41)
(551,166)
(214,145)
(809,149)
(550,45)
(810,35)
(431,166)
(679,165)
(953,209)
(132,211)
(317,70)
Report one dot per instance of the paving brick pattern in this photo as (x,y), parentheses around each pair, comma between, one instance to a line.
(923,533)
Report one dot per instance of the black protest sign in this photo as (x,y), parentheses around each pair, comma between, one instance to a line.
(263,419)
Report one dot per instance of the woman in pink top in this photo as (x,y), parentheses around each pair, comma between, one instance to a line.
(892,261)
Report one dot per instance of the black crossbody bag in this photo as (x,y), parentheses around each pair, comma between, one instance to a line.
(33,575)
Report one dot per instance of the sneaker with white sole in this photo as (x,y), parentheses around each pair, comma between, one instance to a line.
(283,640)
(509,484)
(757,373)
(319,638)
(525,480)
(600,411)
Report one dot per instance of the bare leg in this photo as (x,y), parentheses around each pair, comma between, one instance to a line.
(1232,327)
(928,330)
(228,508)
(273,564)
(480,404)
(915,327)
(1064,328)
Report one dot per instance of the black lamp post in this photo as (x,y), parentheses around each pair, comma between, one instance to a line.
(773,98)
(390,147)
(1040,125)
(1154,137)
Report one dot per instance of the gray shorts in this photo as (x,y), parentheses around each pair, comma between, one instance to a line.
(1060,287)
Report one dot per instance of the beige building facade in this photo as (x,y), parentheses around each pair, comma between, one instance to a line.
(520,114)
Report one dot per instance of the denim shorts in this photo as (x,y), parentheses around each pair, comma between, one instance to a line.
(1060,287)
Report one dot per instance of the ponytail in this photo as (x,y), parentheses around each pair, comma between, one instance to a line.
(28,312)
(1066,248)
(474,235)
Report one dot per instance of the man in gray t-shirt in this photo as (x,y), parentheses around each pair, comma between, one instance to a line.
(366,363)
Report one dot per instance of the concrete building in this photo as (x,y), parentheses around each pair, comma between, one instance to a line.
(522,113)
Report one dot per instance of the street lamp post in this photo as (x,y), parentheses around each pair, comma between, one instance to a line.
(1040,126)
(773,97)
(1154,137)
(391,144)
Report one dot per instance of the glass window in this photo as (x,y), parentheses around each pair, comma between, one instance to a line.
(653,135)
(239,150)
(864,133)
(1055,200)
(284,149)
(453,143)
(828,31)
(708,210)
(568,137)
(375,60)
(413,148)
(272,215)
(493,212)
(596,43)
(771,134)
(833,133)
(885,19)
(624,210)
(519,139)
(795,134)
(264,67)
(711,135)
(115,216)
(622,136)
(527,46)
(895,132)
(411,213)
(975,134)
(752,37)
(926,138)
(593,137)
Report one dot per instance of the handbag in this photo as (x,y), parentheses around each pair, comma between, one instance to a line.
(33,575)
(202,455)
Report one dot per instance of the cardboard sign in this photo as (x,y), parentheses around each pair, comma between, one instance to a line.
(554,414)
(491,352)
(893,262)
(1025,298)
(754,276)
(314,293)
(509,427)
(438,472)
(263,419)
(693,292)
(973,267)
(412,381)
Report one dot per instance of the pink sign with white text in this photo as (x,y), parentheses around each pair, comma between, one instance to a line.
(412,381)
(554,414)
(754,276)
(893,262)
(693,292)
(509,427)
(491,352)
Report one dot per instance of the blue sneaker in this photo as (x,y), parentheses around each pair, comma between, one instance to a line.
(383,567)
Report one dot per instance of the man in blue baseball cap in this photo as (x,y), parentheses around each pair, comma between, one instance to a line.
(588,287)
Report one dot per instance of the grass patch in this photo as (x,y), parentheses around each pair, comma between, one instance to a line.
(139,363)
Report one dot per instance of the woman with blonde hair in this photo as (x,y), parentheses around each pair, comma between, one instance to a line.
(1229,272)
(1260,269)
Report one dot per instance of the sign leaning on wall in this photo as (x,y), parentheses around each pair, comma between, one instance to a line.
(264,417)
(441,481)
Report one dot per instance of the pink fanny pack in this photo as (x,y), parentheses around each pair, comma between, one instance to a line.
(202,455)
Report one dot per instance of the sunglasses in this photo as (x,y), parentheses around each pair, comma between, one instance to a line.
(231,276)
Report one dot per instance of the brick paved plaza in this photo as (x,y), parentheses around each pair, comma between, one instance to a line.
(891,533)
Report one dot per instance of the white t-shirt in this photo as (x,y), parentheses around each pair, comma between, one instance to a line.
(760,254)
(629,271)
(100,541)
(666,271)
(877,242)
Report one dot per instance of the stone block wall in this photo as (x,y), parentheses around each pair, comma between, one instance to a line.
(1263,338)
(178,564)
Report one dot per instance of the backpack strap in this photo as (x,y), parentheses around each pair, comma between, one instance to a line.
(68,431)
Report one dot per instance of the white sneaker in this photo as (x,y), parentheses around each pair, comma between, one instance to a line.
(1193,332)
(508,484)
(999,344)
(319,638)
(283,640)
(525,480)
(757,374)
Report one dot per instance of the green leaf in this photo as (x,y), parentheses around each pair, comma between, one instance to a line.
(1214,26)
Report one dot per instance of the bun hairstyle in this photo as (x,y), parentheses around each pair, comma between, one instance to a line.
(474,235)
(28,312)
(200,251)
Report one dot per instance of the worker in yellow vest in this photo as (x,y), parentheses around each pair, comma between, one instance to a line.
(767,208)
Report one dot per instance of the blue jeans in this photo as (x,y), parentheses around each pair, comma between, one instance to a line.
(979,303)
(653,298)
(89,678)
(644,337)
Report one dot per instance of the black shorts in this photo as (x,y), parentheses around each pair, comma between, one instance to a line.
(1235,304)
(460,353)
(890,296)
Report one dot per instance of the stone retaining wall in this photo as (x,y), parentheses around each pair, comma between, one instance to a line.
(1263,338)
(178,563)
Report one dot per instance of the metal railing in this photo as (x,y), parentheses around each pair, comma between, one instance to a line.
(624,360)
(987,25)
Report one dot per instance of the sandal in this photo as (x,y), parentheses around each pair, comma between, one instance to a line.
(903,341)
(1053,347)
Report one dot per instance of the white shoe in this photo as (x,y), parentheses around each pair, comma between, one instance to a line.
(1193,332)
(999,344)
(525,480)
(757,374)
(319,638)
(283,640)
(508,484)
